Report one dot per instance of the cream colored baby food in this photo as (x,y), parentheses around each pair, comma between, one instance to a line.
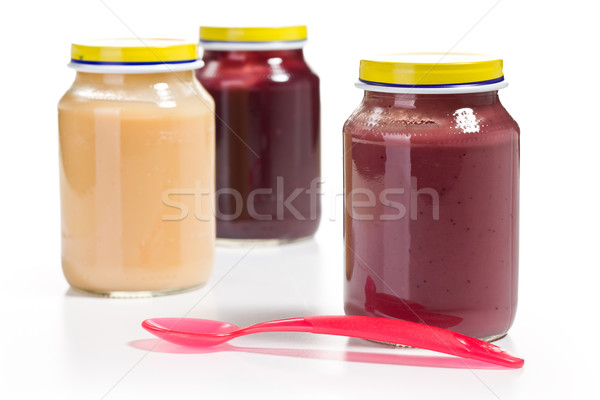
(137,182)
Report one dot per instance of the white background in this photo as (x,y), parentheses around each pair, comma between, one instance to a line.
(57,344)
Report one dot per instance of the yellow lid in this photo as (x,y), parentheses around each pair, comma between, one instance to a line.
(133,51)
(247,34)
(431,70)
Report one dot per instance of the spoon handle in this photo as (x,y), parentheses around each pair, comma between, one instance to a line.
(392,331)
(414,335)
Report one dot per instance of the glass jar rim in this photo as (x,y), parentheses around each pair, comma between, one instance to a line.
(157,68)
(454,89)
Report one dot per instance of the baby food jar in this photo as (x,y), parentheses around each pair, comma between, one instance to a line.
(136,169)
(267,127)
(431,174)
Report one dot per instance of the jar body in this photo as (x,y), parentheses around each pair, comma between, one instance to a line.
(437,242)
(267,146)
(136,151)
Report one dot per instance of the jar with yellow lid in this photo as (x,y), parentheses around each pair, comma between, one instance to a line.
(136,134)
(268,133)
(432,194)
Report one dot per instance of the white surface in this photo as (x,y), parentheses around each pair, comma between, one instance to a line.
(62,346)
(85,347)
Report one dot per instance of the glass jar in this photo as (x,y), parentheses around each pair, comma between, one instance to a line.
(136,169)
(431,174)
(268,127)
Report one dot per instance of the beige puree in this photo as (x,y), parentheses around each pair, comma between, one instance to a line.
(136,152)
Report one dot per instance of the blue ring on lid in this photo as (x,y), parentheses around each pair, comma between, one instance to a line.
(255,42)
(130,63)
(453,85)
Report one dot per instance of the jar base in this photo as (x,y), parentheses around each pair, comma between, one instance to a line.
(123,294)
(228,242)
(488,339)
(493,338)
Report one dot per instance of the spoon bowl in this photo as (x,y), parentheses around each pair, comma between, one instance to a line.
(190,332)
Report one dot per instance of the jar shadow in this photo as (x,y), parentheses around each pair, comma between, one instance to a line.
(275,282)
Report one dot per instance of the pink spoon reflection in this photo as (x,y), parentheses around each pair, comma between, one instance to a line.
(160,346)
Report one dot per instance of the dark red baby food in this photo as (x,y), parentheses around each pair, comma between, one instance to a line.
(441,249)
(267,147)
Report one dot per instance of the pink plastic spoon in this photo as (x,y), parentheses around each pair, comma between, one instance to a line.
(203,332)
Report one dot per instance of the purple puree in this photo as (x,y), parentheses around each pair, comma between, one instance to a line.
(267,126)
(457,271)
